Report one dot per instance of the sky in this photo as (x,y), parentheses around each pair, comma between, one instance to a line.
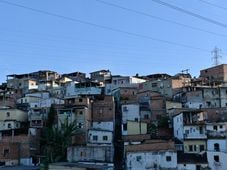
(124,36)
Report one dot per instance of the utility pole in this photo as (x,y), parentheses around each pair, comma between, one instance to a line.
(216,52)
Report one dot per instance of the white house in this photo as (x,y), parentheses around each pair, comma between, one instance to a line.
(100,137)
(189,125)
(154,155)
(217,145)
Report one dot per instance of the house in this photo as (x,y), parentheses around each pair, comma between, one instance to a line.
(189,127)
(126,81)
(83,88)
(152,155)
(217,144)
(76,76)
(12,118)
(101,76)
(76,110)
(102,154)
(100,137)
(215,75)
(103,109)
(167,86)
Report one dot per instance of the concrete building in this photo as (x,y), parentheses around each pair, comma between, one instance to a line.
(90,154)
(153,155)
(216,74)
(102,77)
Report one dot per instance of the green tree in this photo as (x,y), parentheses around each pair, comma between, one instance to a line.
(54,142)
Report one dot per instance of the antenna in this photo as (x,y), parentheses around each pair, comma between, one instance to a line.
(185,71)
(216,56)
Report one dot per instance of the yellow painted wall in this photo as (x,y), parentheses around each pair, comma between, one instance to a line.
(135,128)
(194,143)
(15,114)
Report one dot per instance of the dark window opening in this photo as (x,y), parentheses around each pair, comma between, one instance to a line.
(105,138)
(215,127)
(216,147)
(95,138)
(216,158)
(168,158)
(201,148)
(125,126)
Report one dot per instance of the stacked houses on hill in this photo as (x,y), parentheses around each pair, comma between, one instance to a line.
(156,121)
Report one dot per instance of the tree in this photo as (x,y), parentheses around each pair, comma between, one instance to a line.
(51,116)
(55,141)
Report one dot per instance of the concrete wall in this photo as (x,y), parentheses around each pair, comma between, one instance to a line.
(189,166)
(222,144)
(13,114)
(89,153)
(150,160)
(135,128)
(193,132)
(103,110)
(195,144)
(103,125)
(221,165)
(100,137)
(130,112)
(178,129)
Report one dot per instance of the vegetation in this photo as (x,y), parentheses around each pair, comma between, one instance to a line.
(54,140)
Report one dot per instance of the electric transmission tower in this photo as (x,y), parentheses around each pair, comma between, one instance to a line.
(216,52)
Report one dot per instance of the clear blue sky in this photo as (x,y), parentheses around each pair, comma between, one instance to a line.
(31,41)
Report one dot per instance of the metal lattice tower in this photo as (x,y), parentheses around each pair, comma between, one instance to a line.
(216,52)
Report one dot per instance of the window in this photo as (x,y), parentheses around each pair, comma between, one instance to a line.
(220,126)
(154,84)
(80,125)
(8,114)
(82,154)
(9,125)
(195,148)
(95,138)
(216,147)
(216,158)
(125,108)
(125,126)
(190,148)
(138,158)
(105,138)
(80,100)
(81,112)
(208,104)
(201,148)
(168,158)
(5,152)
(146,116)
(215,127)
(201,130)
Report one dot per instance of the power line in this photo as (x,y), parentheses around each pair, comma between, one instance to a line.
(214,5)
(159,18)
(102,26)
(190,13)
